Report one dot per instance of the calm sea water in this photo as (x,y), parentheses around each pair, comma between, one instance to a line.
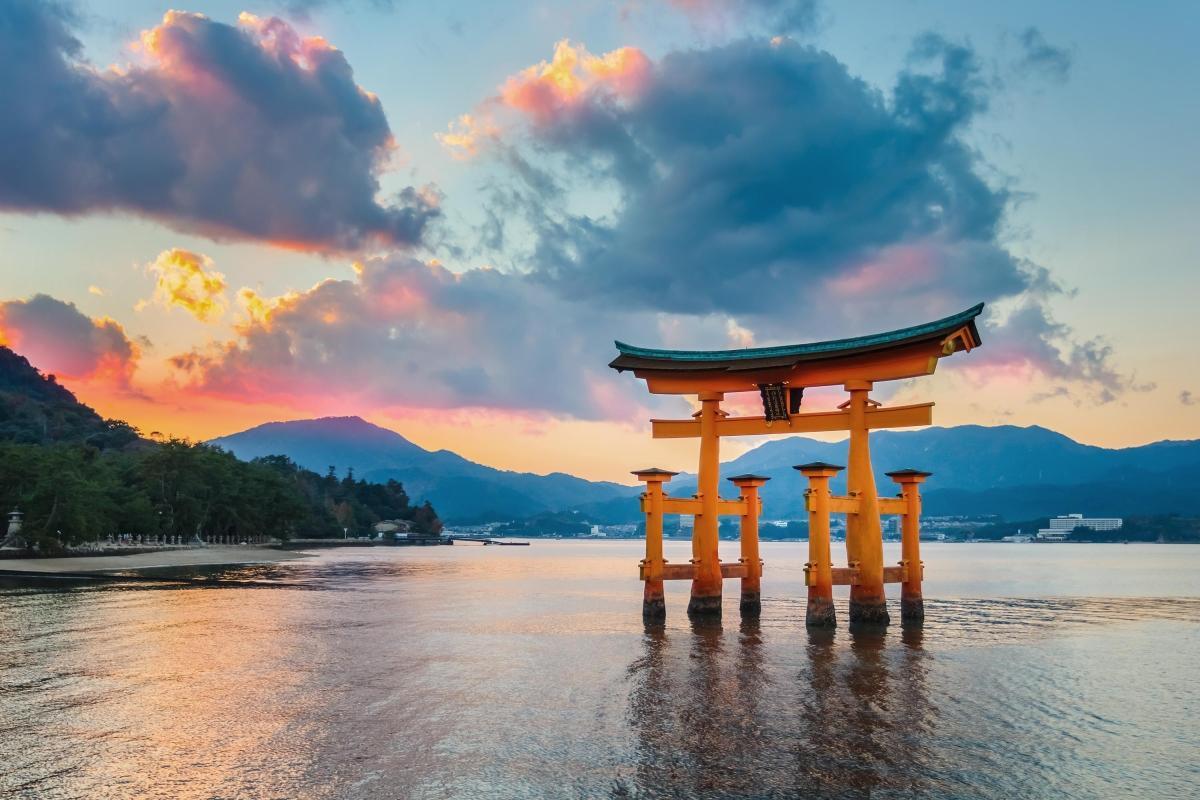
(459,672)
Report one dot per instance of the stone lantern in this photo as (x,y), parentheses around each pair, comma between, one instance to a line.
(13,537)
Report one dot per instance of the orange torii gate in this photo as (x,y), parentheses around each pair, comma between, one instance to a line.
(780,375)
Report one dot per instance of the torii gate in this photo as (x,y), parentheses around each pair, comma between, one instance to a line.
(780,375)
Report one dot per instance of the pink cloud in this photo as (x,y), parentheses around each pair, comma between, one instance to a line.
(905,267)
(549,90)
(407,334)
(1028,343)
(59,339)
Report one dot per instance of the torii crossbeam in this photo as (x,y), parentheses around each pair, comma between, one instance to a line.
(780,375)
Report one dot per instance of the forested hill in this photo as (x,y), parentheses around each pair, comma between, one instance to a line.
(78,477)
(35,409)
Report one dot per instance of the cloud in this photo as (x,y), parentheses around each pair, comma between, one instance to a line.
(761,180)
(1187,398)
(547,90)
(406,334)
(754,177)
(303,9)
(60,339)
(550,90)
(187,280)
(774,16)
(1039,56)
(246,131)
(410,334)
(1029,342)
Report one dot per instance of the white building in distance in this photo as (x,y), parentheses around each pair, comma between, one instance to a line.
(1061,526)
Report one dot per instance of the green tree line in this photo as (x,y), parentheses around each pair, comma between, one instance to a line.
(78,492)
(78,477)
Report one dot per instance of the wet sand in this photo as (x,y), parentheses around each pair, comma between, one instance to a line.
(199,556)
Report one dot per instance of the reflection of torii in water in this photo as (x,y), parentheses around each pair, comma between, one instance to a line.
(780,375)
(719,713)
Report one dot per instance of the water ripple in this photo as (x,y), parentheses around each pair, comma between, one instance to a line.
(488,673)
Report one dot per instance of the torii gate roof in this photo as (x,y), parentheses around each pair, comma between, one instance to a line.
(756,358)
(893,355)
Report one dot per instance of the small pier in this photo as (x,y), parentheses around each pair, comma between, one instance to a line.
(485,541)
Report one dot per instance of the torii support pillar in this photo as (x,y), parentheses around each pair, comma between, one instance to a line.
(706,581)
(864,535)
(748,485)
(818,571)
(654,604)
(912,605)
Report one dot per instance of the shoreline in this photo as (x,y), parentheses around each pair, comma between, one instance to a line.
(212,556)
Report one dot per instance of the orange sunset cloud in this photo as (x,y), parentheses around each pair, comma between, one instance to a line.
(186,280)
(549,89)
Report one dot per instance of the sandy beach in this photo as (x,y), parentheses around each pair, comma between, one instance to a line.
(167,558)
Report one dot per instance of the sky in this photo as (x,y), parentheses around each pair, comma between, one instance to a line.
(439,216)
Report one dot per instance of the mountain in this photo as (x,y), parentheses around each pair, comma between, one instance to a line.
(1017,473)
(317,444)
(1134,494)
(462,490)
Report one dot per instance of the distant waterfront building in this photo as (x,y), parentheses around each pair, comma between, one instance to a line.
(1061,526)
(396,527)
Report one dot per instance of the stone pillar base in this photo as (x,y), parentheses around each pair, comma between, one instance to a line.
(654,606)
(704,606)
(912,610)
(820,613)
(872,612)
(751,604)
(654,610)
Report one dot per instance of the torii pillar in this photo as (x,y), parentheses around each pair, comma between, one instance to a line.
(819,569)
(864,534)
(654,604)
(748,486)
(706,582)
(912,603)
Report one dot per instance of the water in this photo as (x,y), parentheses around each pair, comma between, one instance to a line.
(458,672)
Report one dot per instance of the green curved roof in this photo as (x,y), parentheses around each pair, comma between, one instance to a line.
(632,357)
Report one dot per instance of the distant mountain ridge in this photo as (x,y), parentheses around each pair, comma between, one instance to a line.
(462,490)
(981,457)
(1015,472)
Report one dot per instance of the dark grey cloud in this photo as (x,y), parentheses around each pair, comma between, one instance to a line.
(762,180)
(752,176)
(1187,398)
(244,131)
